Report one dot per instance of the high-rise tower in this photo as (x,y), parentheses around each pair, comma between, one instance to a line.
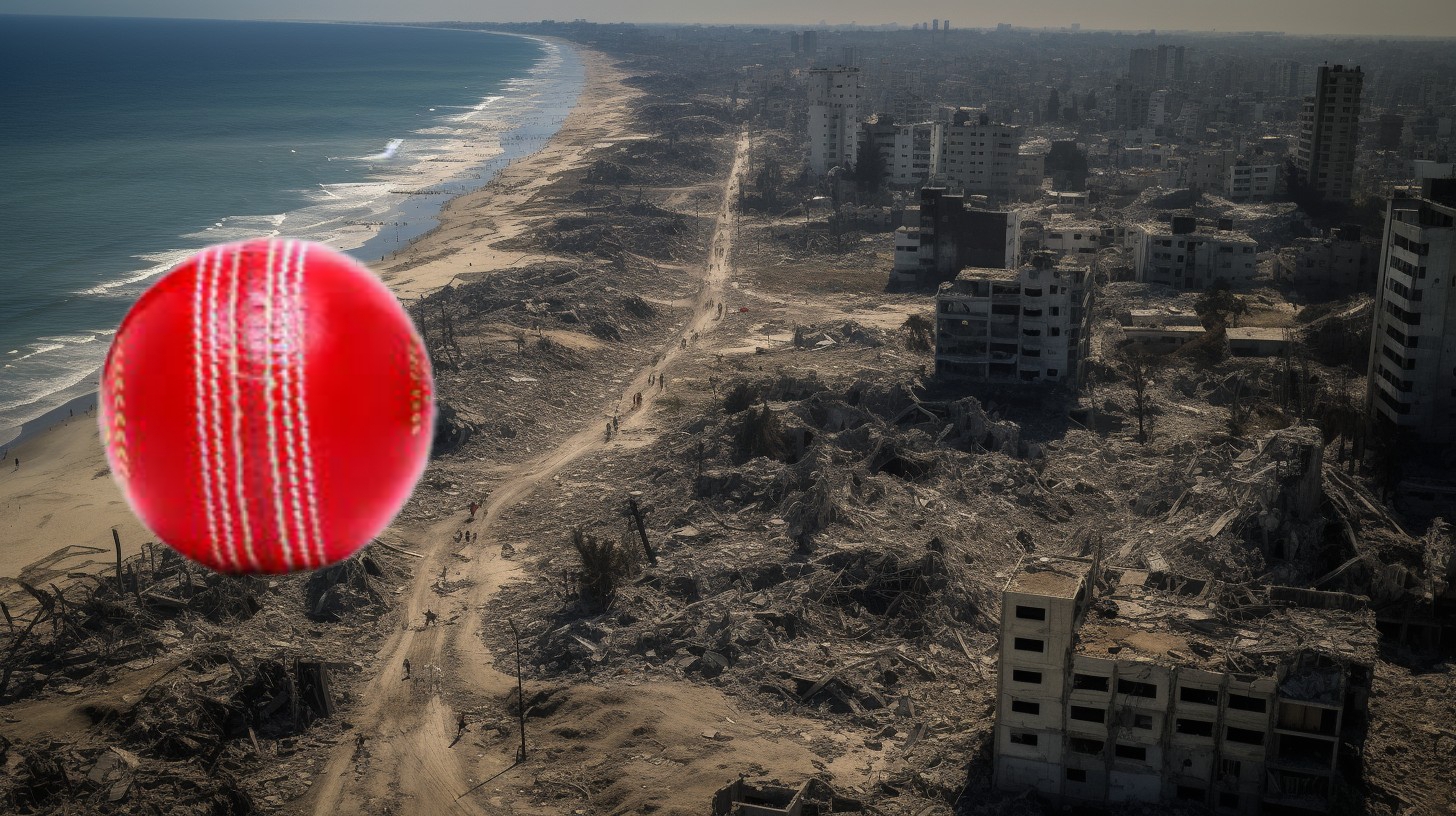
(1329,132)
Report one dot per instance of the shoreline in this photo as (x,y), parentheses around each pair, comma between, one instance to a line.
(526,125)
(41,500)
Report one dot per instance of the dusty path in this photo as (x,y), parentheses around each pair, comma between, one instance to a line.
(405,760)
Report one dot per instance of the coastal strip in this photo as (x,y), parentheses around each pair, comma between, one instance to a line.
(457,153)
(62,492)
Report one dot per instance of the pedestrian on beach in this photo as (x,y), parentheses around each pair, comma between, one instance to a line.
(406,668)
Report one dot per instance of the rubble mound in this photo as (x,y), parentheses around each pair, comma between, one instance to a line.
(641,230)
(452,430)
(55,777)
(345,589)
(847,333)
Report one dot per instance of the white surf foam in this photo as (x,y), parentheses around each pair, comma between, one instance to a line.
(464,138)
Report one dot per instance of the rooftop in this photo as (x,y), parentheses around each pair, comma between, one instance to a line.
(1050,576)
(1153,327)
(974,273)
(1202,231)
(1257,333)
(1173,620)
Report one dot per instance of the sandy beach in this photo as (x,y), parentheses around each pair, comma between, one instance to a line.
(63,494)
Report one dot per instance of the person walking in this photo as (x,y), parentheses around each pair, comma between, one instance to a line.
(406,668)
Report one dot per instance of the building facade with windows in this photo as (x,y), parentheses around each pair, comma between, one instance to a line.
(1031,324)
(1329,132)
(1128,685)
(1186,256)
(973,156)
(1333,266)
(835,99)
(951,236)
(1412,379)
(1252,181)
(909,166)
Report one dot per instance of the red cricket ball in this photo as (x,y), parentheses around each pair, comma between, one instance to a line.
(267,406)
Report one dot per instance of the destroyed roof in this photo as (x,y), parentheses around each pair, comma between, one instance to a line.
(1072,221)
(1146,328)
(973,273)
(1173,620)
(1201,231)
(1050,576)
(1257,333)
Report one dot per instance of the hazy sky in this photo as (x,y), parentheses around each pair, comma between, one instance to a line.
(1423,17)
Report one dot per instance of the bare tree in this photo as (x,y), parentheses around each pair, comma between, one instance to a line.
(1139,369)
(919,328)
(1239,410)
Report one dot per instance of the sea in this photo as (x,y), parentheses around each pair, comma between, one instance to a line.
(128,144)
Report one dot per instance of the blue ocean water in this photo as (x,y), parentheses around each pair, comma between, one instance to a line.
(126,144)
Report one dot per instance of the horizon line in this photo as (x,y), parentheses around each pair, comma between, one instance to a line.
(850,26)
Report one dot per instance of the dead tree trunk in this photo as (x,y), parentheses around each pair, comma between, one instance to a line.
(1139,370)
(641,530)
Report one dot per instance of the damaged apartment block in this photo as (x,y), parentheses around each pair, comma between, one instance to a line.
(1127,685)
(1030,324)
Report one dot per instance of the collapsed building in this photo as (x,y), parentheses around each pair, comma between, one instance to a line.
(1136,685)
(1030,324)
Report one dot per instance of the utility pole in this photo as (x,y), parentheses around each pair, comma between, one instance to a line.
(641,530)
(116,537)
(520,694)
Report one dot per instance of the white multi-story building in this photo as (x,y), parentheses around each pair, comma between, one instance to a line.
(1030,324)
(972,156)
(835,99)
(910,165)
(1252,181)
(1329,132)
(1154,696)
(1066,236)
(1186,256)
(1412,379)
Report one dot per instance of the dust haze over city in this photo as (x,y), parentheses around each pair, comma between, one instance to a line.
(1035,409)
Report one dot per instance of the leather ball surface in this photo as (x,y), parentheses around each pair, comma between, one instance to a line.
(267,406)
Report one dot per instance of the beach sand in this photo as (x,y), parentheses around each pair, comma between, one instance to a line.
(63,493)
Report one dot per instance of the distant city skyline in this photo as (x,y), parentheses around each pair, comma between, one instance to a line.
(1428,18)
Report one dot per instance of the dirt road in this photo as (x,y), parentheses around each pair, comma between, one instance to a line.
(406,759)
